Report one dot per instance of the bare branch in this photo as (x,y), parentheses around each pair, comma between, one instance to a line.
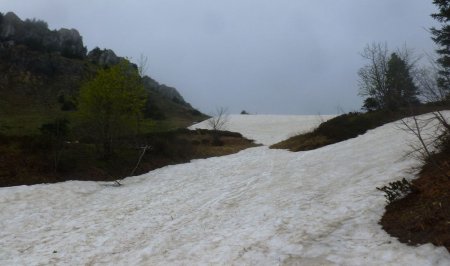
(426,78)
(431,133)
(142,65)
(219,120)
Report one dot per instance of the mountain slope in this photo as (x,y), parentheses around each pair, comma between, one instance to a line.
(42,71)
(258,207)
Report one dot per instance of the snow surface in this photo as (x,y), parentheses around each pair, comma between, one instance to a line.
(256,207)
(269,129)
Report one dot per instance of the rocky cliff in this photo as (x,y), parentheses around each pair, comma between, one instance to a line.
(36,36)
(42,67)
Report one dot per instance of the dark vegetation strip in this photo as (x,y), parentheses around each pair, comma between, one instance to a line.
(349,126)
(27,160)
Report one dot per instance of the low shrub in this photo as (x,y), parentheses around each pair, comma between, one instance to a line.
(396,190)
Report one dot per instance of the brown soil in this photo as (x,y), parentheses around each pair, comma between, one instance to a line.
(25,163)
(423,216)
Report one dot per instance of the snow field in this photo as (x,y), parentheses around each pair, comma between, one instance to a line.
(256,207)
(269,129)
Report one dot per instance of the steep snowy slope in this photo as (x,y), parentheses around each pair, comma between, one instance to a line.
(257,207)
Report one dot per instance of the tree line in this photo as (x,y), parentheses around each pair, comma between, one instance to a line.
(392,80)
(386,80)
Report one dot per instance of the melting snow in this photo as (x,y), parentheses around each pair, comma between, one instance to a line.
(256,207)
(269,129)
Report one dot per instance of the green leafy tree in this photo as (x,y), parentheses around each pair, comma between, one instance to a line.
(111,104)
(441,36)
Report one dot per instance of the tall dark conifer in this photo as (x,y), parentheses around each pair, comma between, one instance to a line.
(442,38)
(401,90)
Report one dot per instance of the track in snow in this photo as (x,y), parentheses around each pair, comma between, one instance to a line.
(257,207)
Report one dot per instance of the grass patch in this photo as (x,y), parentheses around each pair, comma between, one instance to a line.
(26,122)
(27,160)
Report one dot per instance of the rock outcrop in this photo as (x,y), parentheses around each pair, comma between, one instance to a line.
(35,35)
(166,92)
(9,23)
(105,57)
(70,42)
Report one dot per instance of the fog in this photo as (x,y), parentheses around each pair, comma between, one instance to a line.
(271,57)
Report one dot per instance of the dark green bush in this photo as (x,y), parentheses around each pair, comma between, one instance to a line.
(59,128)
(152,111)
(396,190)
(66,104)
(352,124)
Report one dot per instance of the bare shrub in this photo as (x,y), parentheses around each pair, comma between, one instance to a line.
(217,123)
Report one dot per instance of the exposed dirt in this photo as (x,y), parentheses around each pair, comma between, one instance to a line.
(423,216)
(25,161)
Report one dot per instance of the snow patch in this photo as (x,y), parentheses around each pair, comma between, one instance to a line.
(269,129)
(256,207)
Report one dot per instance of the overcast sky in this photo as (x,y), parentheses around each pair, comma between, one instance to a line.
(264,56)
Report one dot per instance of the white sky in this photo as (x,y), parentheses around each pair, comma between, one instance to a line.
(284,56)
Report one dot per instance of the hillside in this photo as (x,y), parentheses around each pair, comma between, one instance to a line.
(43,70)
(43,139)
(350,125)
(257,207)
